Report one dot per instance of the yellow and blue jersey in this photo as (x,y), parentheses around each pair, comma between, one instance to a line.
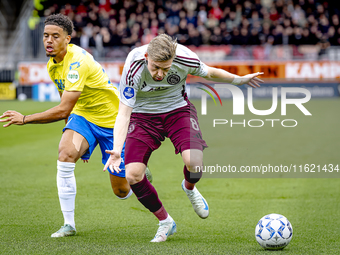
(98,102)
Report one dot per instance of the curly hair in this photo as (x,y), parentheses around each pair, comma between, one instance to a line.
(60,20)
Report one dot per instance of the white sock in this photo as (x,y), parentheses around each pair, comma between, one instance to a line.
(69,218)
(67,190)
(168,219)
(127,196)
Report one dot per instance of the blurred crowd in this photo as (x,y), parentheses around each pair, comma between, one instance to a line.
(107,23)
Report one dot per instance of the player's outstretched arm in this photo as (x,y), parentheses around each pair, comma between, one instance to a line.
(119,136)
(12,117)
(220,75)
(61,94)
(59,112)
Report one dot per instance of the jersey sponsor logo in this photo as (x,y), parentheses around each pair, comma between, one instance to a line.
(157,89)
(173,79)
(146,88)
(150,89)
(73,76)
(129,92)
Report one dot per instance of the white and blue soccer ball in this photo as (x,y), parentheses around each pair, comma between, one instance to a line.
(273,231)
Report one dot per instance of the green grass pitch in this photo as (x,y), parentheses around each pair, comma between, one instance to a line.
(30,213)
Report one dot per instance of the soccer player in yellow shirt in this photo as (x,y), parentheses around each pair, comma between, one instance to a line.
(89,101)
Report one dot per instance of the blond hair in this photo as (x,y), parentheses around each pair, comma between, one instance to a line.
(162,48)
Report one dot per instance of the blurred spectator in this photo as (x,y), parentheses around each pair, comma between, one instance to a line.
(75,38)
(147,37)
(247,10)
(287,36)
(173,11)
(254,37)
(266,30)
(233,21)
(244,36)
(254,17)
(94,39)
(206,35)
(78,22)
(323,24)
(202,14)
(306,38)
(299,16)
(154,27)
(297,36)
(315,34)
(332,37)
(277,34)
(106,37)
(274,15)
(216,37)
(161,17)
(191,18)
(104,18)
(195,37)
(212,21)
(84,41)
(216,11)
(107,23)
(93,18)
(81,10)
(189,5)
(182,35)
(335,21)
(236,38)
(268,46)
(323,46)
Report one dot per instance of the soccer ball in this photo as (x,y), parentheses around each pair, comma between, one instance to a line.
(273,232)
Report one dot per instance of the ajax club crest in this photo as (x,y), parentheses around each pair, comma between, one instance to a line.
(173,79)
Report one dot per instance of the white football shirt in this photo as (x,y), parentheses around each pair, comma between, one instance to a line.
(145,95)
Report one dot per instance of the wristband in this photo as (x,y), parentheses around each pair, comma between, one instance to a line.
(237,80)
(23,119)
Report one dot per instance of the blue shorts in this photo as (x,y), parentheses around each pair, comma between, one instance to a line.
(94,135)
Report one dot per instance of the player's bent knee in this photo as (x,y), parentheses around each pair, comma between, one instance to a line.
(193,160)
(133,177)
(134,172)
(67,156)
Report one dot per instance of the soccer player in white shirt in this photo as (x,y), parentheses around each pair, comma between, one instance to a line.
(154,105)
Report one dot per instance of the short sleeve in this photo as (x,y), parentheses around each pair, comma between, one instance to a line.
(200,69)
(189,60)
(128,85)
